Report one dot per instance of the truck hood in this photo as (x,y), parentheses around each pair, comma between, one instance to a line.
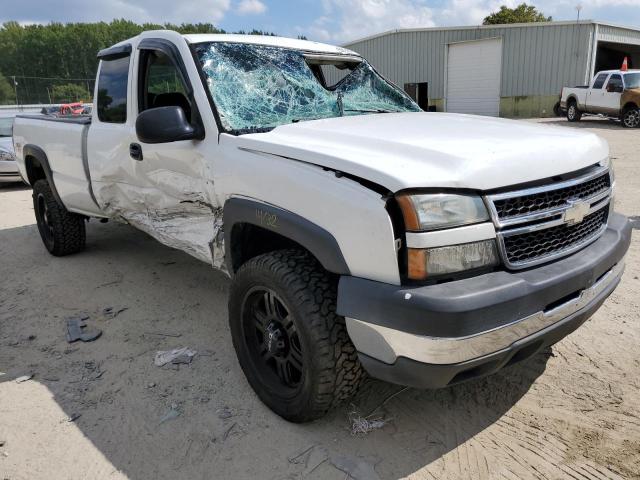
(414,150)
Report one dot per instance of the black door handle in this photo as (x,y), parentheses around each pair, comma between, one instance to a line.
(135,150)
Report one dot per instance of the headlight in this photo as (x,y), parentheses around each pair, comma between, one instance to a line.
(441,210)
(430,262)
(6,156)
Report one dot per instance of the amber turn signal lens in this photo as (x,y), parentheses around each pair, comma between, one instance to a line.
(417,264)
(409,213)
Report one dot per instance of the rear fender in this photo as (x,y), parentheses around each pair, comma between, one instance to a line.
(36,164)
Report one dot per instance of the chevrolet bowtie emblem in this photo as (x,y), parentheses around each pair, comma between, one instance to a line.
(576,212)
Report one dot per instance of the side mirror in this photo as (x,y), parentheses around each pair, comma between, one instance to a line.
(164,125)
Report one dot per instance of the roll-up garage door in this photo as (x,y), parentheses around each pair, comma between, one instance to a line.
(473,77)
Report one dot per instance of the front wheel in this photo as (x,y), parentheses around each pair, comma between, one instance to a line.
(292,346)
(62,232)
(631,118)
(573,112)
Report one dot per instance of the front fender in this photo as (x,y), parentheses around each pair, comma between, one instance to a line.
(317,240)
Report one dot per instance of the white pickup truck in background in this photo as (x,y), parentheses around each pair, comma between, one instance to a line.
(612,93)
(360,233)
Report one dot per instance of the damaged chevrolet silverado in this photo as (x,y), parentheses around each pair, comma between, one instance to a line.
(360,233)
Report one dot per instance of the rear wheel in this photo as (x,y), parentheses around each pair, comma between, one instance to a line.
(291,344)
(631,118)
(62,232)
(573,112)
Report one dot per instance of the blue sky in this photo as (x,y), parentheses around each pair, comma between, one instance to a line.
(333,21)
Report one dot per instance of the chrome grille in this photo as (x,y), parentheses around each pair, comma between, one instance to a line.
(554,240)
(550,199)
(543,223)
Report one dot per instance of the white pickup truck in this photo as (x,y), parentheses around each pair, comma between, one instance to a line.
(360,234)
(612,93)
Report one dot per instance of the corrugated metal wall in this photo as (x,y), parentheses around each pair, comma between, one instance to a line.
(536,59)
(608,33)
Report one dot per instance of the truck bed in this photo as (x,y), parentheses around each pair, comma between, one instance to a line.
(64,142)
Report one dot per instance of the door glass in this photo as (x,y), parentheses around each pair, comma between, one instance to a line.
(112,90)
(163,85)
(615,84)
(600,81)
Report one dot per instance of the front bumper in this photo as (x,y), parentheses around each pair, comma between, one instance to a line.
(9,171)
(438,335)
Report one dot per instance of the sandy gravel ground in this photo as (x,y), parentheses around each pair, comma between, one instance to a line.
(100,410)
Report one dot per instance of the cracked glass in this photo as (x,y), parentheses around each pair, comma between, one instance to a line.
(256,88)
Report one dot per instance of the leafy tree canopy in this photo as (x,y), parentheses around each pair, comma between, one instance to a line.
(523,13)
(6,91)
(41,55)
(69,93)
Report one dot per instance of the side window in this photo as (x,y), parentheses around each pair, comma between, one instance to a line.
(161,83)
(600,81)
(112,90)
(615,84)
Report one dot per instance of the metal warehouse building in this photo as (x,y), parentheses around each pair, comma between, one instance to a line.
(512,70)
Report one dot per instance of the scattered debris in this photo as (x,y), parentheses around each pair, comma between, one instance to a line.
(110,312)
(77,330)
(356,468)
(311,457)
(300,455)
(227,432)
(24,378)
(225,412)
(162,334)
(73,417)
(31,337)
(176,356)
(171,414)
(151,384)
(362,425)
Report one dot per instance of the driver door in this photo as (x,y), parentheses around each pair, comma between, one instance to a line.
(179,200)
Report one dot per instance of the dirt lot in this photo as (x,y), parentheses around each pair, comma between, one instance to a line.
(103,410)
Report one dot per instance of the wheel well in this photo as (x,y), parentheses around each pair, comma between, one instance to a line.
(34,169)
(571,100)
(249,241)
(629,106)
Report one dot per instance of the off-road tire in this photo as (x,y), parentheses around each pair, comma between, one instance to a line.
(62,232)
(631,118)
(573,112)
(331,370)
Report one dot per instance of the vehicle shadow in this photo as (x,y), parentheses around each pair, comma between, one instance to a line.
(13,186)
(146,297)
(588,122)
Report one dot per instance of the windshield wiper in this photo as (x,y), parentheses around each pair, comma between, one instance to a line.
(367,111)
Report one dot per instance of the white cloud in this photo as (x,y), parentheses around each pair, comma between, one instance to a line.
(141,11)
(345,20)
(251,7)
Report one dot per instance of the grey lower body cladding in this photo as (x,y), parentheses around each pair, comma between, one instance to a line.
(434,336)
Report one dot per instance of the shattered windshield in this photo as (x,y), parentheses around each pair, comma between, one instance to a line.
(256,88)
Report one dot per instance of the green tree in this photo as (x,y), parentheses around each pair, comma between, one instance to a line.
(6,91)
(523,13)
(70,92)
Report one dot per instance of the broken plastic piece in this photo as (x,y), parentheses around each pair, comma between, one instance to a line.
(178,355)
(354,467)
(24,378)
(77,330)
(171,414)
